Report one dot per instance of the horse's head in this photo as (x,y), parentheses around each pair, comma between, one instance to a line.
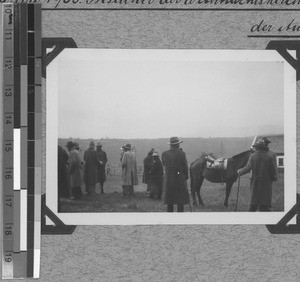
(241,159)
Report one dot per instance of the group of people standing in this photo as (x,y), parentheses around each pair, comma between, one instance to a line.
(169,175)
(73,171)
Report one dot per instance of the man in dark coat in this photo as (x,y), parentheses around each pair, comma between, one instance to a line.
(90,169)
(156,177)
(176,174)
(101,173)
(263,174)
(63,186)
(148,163)
(271,153)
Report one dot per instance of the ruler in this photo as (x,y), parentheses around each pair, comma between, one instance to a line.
(21,193)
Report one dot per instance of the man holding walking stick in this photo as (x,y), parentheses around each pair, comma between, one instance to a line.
(263,174)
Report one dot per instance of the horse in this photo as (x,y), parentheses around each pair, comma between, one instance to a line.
(199,172)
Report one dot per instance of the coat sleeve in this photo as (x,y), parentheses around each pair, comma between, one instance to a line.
(124,160)
(185,167)
(104,158)
(247,168)
(273,171)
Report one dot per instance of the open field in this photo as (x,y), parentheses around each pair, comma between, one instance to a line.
(212,194)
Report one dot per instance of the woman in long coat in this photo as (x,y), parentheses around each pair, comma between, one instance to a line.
(75,173)
(176,174)
(129,170)
(263,174)
(90,168)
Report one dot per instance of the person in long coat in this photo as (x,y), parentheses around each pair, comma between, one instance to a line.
(176,173)
(129,170)
(263,169)
(271,153)
(62,177)
(91,163)
(148,163)
(101,173)
(75,172)
(156,177)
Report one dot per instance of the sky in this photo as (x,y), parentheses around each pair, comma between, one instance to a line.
(101,95)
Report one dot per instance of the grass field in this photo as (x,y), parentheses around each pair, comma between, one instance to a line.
(212,194)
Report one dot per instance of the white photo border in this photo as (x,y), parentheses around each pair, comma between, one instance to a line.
(176,218)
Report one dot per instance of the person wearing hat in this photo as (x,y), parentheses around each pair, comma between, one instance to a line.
(156,177)
(176,173)
(62,176)
(101,175)
(263,169)
(75,171)
(148,163)
(91,164)
(271,153)
(129,170)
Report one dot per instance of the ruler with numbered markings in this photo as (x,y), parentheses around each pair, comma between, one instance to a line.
(21,155)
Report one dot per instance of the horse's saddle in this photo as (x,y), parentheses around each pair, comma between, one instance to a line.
(216,164)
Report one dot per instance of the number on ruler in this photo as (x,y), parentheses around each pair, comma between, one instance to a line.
(8,146)
(9,202)
(8,119)
(8,230)
(8,92)
(8,174)
(8,257)
(8,63)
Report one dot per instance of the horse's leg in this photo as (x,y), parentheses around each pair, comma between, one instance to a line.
(198,191)
(228,190)
(193,188)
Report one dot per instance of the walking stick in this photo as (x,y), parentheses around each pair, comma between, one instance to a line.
(238,191)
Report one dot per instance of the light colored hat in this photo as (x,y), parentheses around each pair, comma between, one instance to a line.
(174,141)
(99,144)
(155,154)
(127,146)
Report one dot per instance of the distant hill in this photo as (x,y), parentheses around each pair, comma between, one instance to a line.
(193,147)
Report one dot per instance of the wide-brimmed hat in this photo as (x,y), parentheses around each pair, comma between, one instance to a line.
(70,144)
(99,144)
(127,146)
(174,141)
(266,140)
(260,144)
(92,144)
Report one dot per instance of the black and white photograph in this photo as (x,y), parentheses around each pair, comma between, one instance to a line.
(170,136)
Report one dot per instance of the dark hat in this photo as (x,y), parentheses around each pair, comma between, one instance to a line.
(260,144)
(174,141)
(266,140)
(92,144)
(127,146)
(70,144)
(99,144)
